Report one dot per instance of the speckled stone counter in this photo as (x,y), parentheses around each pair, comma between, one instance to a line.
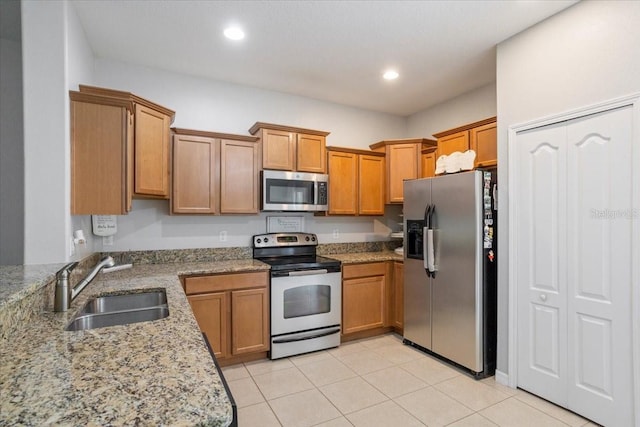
(149,373)
(360,257)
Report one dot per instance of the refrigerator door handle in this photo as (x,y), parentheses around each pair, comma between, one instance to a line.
(433,267)
(425,240)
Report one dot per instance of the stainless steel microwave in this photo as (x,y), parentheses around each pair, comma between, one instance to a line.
(294,191)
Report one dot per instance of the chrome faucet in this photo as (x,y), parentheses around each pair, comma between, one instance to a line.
(65,293)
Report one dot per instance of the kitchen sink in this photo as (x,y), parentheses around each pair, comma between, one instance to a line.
(114,310)
(135,301)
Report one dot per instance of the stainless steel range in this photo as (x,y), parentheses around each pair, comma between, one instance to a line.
(306,293)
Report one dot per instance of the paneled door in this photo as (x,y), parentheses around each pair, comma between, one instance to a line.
(542,287)
(574,251)
(599,166)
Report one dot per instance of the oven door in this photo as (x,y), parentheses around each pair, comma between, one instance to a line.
(305,300)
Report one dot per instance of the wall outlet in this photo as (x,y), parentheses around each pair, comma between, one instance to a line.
(107,240)
(336,234)
(223,236)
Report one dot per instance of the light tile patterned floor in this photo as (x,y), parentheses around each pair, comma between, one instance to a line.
(380,382)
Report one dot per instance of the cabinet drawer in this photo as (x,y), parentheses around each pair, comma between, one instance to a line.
(364,270)
(225,282)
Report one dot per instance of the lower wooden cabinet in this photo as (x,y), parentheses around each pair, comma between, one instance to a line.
(233,311)
(398,296)
(364,297)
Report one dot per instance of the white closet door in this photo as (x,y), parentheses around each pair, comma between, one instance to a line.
(542,290)
(599,209)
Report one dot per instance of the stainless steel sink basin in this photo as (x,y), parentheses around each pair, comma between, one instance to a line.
(92,321)
(113,310)
(111,303)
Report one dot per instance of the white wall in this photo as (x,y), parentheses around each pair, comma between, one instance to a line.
(473,106)
(79,68)
(43,49)
(583,55)
(225,107)
(217,106)
(11,152)
(55,54)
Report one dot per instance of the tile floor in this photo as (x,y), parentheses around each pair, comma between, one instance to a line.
(380,382)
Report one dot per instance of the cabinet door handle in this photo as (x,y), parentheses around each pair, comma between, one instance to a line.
(543,297)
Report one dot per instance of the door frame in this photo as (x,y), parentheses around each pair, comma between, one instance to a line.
(632,100)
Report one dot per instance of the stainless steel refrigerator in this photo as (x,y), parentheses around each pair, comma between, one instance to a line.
(450,262)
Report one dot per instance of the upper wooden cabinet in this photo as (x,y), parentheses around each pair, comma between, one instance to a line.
(214,173)
(429,157)
(290,148)
(403,161)
(484,142)
(478,136)
(151,142)
(356,181)
(101,154)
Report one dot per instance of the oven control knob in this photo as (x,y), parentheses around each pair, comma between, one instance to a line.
(258,241)
(266,239)
(306,238)
(313,238)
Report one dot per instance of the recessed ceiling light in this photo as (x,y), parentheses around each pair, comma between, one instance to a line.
(390,75)
(234,33)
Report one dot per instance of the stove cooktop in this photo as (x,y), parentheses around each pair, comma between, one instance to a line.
(300,262)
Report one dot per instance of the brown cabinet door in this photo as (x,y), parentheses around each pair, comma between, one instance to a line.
(371,185)
(363,303)
(402,163)
(311,153)
(151,152)
(249,321)
(484,143)
(398,295)
(194,175)
(429,164)
(454,142)
(239,177)
(278,148)
(101,177)
(343,181)
(212,313)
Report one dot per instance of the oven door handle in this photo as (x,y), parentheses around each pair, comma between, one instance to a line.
(306,337)
(308,272)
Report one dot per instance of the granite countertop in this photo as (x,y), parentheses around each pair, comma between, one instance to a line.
(360,257)
(157,373)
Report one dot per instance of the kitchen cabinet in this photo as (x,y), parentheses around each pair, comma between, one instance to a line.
(365,296)
(429,157)
(478,136)
(290,148)
(403,161)
(398,296)
(233,310)
(150,141)
(484,141)
(356,181)
(214,173)
(101,154)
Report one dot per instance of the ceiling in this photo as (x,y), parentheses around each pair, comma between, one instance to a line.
(328,50)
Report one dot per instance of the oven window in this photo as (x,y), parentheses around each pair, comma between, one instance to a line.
(307,301)
(289,191)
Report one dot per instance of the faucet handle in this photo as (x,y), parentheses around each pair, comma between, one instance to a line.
(66,270)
